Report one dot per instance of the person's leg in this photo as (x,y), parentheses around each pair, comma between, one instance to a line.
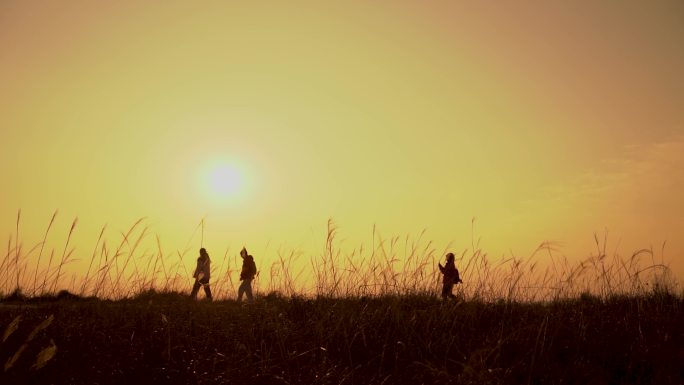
(207,289)
(241,291)
(450,291)
(195,289)
(445,291)
(248,290)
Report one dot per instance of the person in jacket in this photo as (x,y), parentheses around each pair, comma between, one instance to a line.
(247,274)
(451,277)
(202,274)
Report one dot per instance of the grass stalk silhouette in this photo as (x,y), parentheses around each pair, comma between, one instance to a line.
(364,315)
(42,246)
(17,248)
(92,259)
(65,256)
(391,266)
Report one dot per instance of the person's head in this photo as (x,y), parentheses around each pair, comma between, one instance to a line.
(450,257)
(203,253)
(243,253)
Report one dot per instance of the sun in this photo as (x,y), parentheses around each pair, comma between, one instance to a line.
(225,181)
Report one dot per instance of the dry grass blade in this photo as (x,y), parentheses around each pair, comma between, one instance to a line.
(42,326)
(11,328)
(64,255)
(12,360)
(16,259)
(42,246)
(45,355)
(92,258)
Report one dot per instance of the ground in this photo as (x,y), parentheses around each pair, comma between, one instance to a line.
(168,339)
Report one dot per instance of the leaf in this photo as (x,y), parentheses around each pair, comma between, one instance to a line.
(11,328)
(45,355)
(40,327)
(15,357)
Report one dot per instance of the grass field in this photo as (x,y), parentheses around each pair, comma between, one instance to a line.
(365,316)
(165,338)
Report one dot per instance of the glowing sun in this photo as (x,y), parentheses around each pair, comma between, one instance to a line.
(225,181)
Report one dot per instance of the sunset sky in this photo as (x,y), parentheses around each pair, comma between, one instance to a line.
(544,120)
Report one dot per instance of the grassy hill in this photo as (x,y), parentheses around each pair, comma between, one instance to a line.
(165,338)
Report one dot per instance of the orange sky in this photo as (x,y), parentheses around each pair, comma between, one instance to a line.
(543,120)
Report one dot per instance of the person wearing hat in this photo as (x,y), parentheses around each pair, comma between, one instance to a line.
(247,274)
(202,274)
(451,277)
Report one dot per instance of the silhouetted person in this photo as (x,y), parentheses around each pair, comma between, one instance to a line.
(202,274)
(246,275)
(451,277)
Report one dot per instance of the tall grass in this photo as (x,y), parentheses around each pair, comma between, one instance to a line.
(390,266)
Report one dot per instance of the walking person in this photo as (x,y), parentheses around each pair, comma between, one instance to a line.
(451,277)
(246,276)
(202,274)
